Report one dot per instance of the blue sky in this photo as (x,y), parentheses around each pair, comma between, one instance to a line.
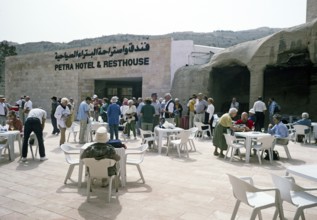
(66,20)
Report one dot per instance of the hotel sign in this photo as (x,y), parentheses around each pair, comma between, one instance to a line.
(109,63)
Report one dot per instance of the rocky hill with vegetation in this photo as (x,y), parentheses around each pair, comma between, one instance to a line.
(220,38)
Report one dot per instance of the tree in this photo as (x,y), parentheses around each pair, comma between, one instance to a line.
(5,51)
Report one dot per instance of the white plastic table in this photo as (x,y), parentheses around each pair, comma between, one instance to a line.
(122,162)
(93,126)
(248,139)
(160,132)
(12,136)
(305,171)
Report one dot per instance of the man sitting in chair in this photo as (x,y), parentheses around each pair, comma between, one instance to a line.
(100,150)
(304,121)
(279,130)
(245,123)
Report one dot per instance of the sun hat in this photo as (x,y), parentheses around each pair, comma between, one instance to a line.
(252,111)
(101,135)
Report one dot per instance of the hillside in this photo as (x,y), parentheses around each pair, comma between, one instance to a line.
(219,38)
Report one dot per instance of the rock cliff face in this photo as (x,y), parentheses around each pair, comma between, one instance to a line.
(282,65)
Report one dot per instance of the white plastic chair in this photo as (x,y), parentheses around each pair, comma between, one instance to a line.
(254,197)
(233,144)
(4,145)
(147,136)
(284,143)
(70,153)
(191,138)
(135,156)
(202,129)
(98,169)
(295,194)
(74,129)
(300,130)
(262,144)
(93,127)
(180,140)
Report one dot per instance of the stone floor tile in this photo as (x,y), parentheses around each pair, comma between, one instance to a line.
(16,216)
(175,188)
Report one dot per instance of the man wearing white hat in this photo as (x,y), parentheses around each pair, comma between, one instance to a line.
(101,135)
(252,115)
(100,150)
(168,111)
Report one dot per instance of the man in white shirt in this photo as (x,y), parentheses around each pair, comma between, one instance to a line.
(3,111)
(169,108)
(259,108)
(34,122)
(21,103)
(27,106)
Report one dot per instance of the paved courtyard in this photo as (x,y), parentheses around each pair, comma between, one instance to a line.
(175,188)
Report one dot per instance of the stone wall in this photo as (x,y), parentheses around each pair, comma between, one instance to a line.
(44,75)
(190,80)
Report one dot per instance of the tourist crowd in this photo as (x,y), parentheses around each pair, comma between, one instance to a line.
(131,115)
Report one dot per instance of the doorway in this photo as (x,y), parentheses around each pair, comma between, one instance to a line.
(123,88)
(229,82)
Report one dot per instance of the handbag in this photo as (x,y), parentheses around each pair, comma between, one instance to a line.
(26,111)
(275,155)
(69,120)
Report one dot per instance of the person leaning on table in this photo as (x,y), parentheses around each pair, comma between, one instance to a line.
(34,122)
(224,123)
(279,130)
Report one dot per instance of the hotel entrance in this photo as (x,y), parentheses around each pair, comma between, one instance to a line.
(123,88)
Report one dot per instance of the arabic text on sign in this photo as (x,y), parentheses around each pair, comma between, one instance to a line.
(131,48)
